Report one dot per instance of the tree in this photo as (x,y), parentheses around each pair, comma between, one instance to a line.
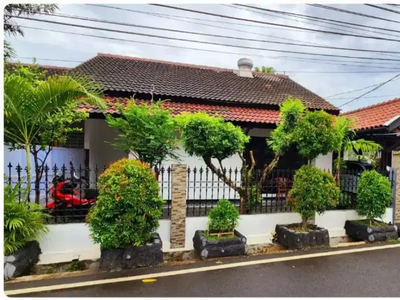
(315,135)
(146,131)
(213,138)
(32,108)
(374,195)
(313,191)
(347,143)
(266,70)
(12,28)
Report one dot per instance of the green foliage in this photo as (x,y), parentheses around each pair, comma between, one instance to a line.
(374,195)
(316,135)
(223,218)
(23,222)
(76,266)
(11,10)
(313,191)
(128,206)
(291,112)
(211,137)
(149,131)
(266,70)
(28,105)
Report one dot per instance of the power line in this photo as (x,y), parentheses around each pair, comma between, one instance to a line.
(351,91)
(275,24)
(216,35)
(384,8)
(370,97)
(319,18)
(204,42)
(370,91)
(309,60)
(169,16)
(352,12)
(310,72)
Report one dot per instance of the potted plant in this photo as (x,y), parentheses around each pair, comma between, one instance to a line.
(126,215)
(374,195)
(24,225)
(313,191)
(221,238)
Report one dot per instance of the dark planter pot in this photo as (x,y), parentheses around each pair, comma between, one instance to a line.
(21,262)
(225,247)
(371,234)
(398,228)
(148,255)
(300,240)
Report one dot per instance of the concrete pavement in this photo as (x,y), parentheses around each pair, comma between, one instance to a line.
(362,274)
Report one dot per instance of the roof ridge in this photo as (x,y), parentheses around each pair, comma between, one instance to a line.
(372,106)
(179,63)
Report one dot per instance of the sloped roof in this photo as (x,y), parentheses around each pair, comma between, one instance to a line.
(229,113)
(170,79)
(375,116)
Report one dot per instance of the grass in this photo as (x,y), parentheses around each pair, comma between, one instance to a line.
(75,266)
(300,228)
(216,238)
(393,240)
(374,223)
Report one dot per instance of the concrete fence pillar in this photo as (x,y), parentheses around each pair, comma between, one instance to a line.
(397,198)
(178,206)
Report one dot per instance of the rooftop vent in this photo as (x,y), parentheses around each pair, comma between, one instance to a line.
(245,65)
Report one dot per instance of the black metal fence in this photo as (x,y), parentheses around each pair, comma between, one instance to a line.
(203,190)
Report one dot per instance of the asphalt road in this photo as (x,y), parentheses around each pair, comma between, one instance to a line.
(364,274)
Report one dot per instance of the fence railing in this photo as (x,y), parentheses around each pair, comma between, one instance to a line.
(70,202)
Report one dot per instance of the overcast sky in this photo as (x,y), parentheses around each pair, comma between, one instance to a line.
(51,45)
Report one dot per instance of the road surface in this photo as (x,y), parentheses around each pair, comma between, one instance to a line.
(363,274)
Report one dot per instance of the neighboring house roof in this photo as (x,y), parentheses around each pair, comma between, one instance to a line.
(170,79)
(50,70)
(376,116)
(229,113)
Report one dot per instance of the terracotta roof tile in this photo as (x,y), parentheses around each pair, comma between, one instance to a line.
(170,79)
(376,115)
(229,113)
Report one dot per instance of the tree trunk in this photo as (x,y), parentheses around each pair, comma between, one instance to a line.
(28,169)
(37,177)
(304,222)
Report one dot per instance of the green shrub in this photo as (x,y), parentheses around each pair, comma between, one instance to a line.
(23,222)
(128,207)
(313,191)
(374,195)
(316,135)
(223,218)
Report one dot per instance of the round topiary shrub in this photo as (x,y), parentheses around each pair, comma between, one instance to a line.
(128,206)
(313,191)
(374,195)
(223,218)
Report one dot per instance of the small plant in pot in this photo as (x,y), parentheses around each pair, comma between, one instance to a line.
(125,217)
(221,238)
(374,195)
(314,191)
(24,225)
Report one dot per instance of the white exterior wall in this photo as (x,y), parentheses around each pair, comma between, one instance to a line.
(65,242)
(324,162)
(98,136)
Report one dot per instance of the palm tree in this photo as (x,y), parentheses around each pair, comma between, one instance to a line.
(347,143)
(27,105)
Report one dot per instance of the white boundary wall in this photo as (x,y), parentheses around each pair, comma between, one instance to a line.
(66,242)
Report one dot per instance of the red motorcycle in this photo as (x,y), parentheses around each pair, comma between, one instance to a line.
(73,193)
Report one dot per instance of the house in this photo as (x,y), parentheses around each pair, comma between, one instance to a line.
(246,98)
(381,124)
